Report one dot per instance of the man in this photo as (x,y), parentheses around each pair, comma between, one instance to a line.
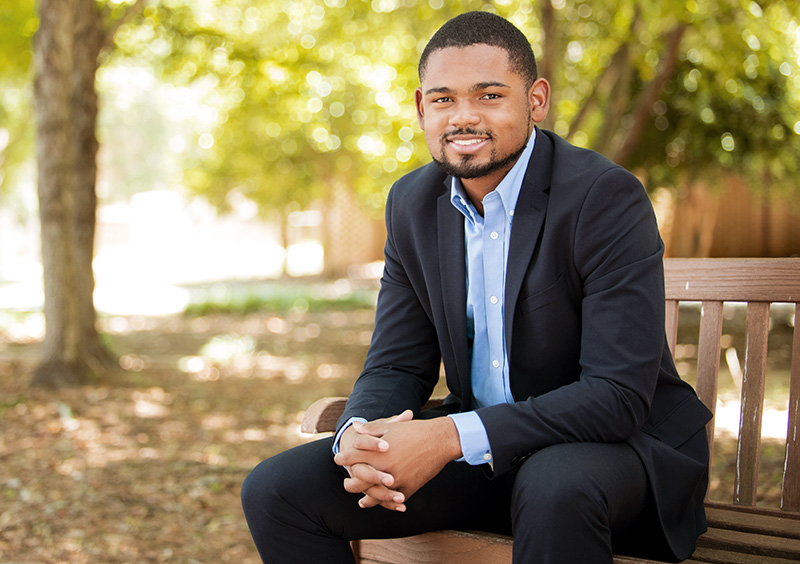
(533,270)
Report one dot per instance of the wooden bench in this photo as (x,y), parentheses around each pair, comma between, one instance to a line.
(739,532)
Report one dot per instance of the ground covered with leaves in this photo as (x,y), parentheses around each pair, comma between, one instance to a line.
(146,465)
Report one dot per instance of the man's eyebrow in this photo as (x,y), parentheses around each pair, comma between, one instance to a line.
(485,85)
(475,87)
(438,90)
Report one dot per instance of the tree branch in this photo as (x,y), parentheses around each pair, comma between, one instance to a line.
(132,11)
(601,86)
(616,106)
(651,94)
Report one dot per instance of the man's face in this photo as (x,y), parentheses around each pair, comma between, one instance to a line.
(476,112)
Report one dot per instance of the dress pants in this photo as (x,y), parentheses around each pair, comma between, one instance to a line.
(569,503)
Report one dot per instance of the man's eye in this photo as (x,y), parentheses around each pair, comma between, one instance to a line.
(443,99)
(492,96)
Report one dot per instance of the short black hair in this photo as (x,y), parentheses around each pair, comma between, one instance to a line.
(472,28)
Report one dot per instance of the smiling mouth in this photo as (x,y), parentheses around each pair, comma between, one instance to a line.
(467,142)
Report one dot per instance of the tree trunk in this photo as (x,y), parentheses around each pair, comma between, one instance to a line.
(66,50)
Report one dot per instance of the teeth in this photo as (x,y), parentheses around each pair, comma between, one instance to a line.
(465,142)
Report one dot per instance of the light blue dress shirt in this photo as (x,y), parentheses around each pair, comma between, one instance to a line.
(487,239)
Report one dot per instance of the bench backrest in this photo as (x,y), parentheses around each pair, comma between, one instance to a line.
(758,283)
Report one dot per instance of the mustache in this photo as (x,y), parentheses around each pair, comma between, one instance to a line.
(468,131)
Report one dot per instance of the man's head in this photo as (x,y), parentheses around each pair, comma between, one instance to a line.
(474,28)
(479,98)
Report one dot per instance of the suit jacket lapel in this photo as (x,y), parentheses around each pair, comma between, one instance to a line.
(529,217)
(453,276)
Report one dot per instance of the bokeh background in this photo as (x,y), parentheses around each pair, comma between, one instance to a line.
(191,198)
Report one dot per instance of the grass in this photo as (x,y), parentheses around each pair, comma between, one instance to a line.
(301,297)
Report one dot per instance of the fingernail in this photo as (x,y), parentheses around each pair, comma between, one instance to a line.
(383,445)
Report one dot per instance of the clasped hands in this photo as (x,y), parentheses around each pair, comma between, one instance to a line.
(388,460)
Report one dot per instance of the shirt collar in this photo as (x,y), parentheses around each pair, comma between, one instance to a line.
(508,189)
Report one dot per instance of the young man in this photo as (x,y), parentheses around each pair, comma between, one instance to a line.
(533,270)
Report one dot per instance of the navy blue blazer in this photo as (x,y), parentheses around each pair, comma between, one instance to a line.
(584,322)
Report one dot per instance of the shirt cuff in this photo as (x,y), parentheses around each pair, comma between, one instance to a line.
(342,430)
(473,438)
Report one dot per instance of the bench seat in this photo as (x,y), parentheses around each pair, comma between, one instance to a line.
(738,532)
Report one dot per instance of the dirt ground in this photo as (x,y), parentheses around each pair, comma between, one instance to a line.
(146,465)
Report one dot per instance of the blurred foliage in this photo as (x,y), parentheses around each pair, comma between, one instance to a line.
(301,94)
(734,103)
(17,27)
(312,92)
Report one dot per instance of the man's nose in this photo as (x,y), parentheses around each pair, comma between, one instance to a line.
(464,114)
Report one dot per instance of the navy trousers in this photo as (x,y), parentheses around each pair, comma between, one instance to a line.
(570,503)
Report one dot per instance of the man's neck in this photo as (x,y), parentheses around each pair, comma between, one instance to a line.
(477,188)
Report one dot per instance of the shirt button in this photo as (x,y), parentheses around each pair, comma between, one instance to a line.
(487,456)
(493,299)
(494,235)
(511,213)
(496,363)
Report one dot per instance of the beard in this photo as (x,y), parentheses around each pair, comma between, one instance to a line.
(465,167)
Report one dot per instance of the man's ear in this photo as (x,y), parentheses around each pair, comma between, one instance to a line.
(539,99)
(420,109)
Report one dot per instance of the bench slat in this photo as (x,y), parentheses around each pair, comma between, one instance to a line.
(708,354)
(751,543)
(453,547)
(743,280)
(717,556)
(671,323)
(753,520)
(708,348)
(757,331)
(439,547)
(791,475)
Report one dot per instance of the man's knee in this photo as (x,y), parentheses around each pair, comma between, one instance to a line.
(285,480)
(581,478)
(261,488)
(549,482)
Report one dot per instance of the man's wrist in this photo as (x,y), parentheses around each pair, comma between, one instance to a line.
(450,443)
(338,438)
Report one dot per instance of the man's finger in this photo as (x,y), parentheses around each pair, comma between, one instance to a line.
(368,501)
(378,427)
(357,451)
(370,442)
(366,475)
(407,415)
(379,495)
